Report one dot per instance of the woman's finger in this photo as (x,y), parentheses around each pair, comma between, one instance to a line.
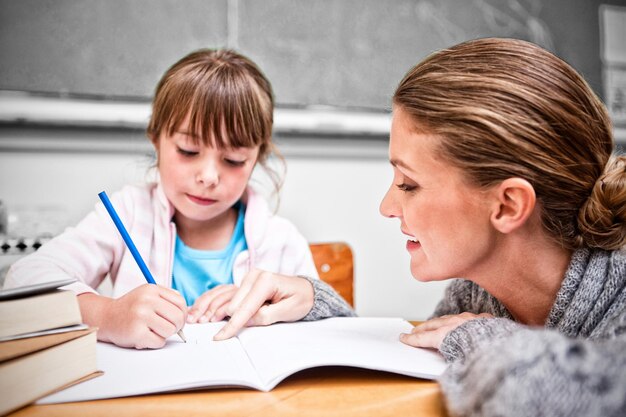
(432,324)
(246,285)
(267,314)
(420,339)
(258,294)
(453,320)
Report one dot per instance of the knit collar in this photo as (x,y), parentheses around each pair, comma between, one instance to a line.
(594,278)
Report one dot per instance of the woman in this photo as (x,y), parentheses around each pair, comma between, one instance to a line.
(504,175)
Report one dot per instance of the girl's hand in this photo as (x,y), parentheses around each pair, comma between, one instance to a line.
(212,305)
(265,298)
(143,318)
(431,333)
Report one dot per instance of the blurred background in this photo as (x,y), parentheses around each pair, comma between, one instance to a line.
(76,79)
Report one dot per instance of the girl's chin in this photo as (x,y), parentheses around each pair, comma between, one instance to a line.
(197,215)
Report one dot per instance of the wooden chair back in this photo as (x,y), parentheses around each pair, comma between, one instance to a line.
(335,266)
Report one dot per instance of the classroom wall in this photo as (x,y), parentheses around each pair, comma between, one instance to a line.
(316,52)
(345,54)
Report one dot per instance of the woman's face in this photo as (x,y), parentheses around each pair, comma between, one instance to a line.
(446,220)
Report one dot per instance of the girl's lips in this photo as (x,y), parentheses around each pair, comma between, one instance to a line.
(412,245)
(200,200)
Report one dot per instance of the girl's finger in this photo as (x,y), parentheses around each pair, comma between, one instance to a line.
(201,305)
(220,300)
(220,305)
(174,297)
(165,318)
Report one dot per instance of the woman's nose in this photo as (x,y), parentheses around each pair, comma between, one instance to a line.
(388,207)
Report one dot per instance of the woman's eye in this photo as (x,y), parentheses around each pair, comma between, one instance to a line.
(185,152)
(406,187)
(234,162)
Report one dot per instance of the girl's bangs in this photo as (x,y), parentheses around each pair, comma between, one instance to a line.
(227,113)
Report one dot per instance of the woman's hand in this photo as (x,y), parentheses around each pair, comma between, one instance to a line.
(265,298)
(431,333)
(212,305)
(143,318)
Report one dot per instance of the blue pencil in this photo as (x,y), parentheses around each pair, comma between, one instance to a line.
(130,244)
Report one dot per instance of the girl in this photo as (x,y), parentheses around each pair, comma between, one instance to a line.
(504,175)
(200,227)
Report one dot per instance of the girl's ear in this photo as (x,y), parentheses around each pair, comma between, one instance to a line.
(155,142)
(514,203)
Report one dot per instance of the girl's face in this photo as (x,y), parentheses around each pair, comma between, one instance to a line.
(446,220)
(202,182)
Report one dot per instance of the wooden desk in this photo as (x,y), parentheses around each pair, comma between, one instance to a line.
(332,391)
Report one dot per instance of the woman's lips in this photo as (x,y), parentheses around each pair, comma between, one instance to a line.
(200,200)
(412,245)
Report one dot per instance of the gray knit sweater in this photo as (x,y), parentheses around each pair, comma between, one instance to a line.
(326,303)
(574,366)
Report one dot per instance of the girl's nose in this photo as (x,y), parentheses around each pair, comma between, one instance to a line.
(208,175)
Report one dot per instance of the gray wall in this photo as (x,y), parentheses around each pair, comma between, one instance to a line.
(316,52)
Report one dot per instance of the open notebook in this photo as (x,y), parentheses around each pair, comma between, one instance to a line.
(259,358)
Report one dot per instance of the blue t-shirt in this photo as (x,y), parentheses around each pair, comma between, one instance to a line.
(197,271)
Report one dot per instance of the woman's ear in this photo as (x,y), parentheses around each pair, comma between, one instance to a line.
(514,203)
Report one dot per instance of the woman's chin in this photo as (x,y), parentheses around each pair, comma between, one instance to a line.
(422,275)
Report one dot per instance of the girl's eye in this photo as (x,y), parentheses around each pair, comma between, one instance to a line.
(234,162)
(406,187)
(185,152)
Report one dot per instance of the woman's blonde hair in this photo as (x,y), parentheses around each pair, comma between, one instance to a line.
(228,100)
(507,108)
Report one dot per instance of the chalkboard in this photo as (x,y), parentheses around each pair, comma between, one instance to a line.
(346,53)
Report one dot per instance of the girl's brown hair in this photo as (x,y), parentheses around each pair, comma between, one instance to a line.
(507,108)
(227,98)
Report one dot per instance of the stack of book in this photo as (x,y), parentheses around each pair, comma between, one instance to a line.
(44,346)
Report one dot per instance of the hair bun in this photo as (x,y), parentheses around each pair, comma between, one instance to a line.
(602,218)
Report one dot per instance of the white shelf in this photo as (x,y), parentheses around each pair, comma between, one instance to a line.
(24,108)
(19,107)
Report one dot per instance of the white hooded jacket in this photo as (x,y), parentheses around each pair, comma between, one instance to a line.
(94,248)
